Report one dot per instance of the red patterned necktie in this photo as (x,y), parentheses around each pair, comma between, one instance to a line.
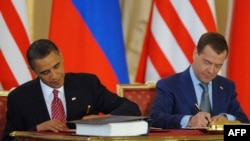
(57,108)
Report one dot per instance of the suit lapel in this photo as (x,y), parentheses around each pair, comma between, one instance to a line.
(38,99)
(217,94)
(187,90)
(71,92)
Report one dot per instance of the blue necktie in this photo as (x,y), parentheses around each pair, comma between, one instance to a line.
(205,103)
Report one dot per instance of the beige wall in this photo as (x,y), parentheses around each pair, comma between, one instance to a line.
(39,14)
(135,17)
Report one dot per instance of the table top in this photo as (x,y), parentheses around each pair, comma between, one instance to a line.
(155,135)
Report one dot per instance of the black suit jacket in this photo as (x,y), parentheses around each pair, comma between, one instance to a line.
(27,107)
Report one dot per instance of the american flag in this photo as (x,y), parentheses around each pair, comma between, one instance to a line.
(14,40)
(173,31)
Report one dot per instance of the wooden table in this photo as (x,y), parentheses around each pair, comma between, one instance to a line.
(164,135)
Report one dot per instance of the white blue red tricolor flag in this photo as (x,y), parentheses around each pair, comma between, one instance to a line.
(89,34)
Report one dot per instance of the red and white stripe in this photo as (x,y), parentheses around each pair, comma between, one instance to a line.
(173,31)
(14,40)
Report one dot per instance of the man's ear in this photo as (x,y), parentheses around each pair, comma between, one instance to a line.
(61,56)
(30,68)
(195,53)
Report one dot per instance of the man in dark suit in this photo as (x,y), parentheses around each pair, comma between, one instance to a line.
(82,95)
(178,98)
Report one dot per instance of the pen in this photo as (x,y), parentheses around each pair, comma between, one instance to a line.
(88,109)
(197,107)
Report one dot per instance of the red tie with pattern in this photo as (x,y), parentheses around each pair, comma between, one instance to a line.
(57,108)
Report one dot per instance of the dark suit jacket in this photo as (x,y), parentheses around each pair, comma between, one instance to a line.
(27,107)
(175,97)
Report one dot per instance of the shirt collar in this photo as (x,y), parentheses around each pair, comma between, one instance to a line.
(195,80)
(47,91)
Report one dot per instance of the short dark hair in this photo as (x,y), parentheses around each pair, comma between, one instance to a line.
(40,49)
(216,40)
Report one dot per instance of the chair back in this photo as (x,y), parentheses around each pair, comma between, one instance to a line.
(142,94)
(3,109)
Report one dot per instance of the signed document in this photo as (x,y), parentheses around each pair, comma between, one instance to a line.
(216,127)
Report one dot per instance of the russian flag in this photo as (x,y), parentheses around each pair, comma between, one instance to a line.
(89,35)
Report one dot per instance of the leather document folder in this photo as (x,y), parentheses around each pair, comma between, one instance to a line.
(113,125)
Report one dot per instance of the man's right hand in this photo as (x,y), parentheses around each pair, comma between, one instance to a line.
(52,125)
(201,119)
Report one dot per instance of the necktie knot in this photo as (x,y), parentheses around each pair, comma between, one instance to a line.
(55,92)
(204,86)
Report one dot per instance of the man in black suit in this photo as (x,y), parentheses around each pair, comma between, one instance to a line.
(82,95)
